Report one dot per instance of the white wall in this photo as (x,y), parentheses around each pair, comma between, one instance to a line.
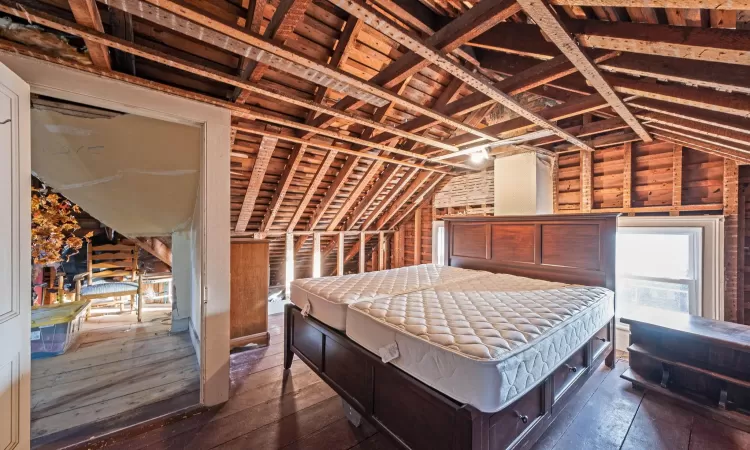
(182,283)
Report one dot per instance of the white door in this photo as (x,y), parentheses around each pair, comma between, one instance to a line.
(15,261)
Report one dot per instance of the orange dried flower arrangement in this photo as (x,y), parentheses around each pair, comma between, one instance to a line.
(52,228)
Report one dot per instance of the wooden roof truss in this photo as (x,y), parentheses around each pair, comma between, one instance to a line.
(348,113)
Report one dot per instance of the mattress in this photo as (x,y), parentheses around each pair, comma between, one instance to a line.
(483,341)
(327,298)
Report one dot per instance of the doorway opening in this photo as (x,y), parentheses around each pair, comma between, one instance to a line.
(115,319)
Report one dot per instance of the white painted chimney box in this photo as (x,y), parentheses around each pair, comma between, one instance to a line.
(523,184)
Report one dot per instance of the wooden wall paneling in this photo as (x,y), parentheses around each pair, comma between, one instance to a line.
(676,178)
(586,174)
(731,241)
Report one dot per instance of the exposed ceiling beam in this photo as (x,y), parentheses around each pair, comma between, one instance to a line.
(371,172)
(607,140)
(555,31)
(311,189)
(253,21)
(121,25)
(691,4)
(295,158)
(736,104)
(263,157)
(463,29)
(375,190)
(428,52)
(696,136)
(87,14)
(702,44)
(345,150)
(171,61)
(702,146)
(426,193)
(698,127)
(186,19)
(724,77)
(728,121)
(156,248)
(588,129)
(285,19)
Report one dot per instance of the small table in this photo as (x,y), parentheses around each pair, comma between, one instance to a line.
(703,363)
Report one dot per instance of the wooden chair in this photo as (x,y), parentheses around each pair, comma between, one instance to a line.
(112,273)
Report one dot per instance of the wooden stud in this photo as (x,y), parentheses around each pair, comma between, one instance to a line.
(586,176)
(418,236)
(381,251)
(627,175)
(289,265)
(555,183)
(362,255)
(316,255)
(265,150)
(677,176)
(731,240)
(340,255)
(554,30)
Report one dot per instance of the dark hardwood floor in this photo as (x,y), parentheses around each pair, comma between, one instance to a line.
(270,411)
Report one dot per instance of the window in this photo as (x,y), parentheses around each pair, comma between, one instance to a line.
(438,242)
(659,267)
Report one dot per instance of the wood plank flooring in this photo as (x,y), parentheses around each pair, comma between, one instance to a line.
(272,410)
(116,369)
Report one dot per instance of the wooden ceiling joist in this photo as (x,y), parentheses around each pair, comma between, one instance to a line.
(717,119)
(86,14)
(386,202)
(677,139)
(253,22)
(691,4)
(554,29)
(285,19)
(345,150)
(265,150)
(375,190)
(188,20)
(428,52)
(204,71)
(698,127)
(702,44)
(449,38)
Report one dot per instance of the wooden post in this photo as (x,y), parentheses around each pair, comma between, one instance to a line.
(289,265)
(676,180)
(340,256)
(555,183)
(418,236)
(316,255)
(362,256)
(398,249)
(627,176)
(381,251)
(741,242)
(586,191)
(89,253)
(140,299)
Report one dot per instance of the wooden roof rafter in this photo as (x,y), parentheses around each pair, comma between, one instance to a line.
(266,148)
(87,14)
(434,56)
(553,28)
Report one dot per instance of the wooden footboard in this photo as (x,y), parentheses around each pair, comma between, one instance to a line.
(418,417)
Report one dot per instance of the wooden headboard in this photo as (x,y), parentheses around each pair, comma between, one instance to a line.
(576,248)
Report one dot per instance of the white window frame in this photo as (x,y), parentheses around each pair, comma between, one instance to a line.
(438,242)
(695,278)
(712,251)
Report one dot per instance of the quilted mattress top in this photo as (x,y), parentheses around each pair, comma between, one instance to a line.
(352,288)
(485,318)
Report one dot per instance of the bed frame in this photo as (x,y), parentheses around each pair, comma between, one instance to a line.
(571,248)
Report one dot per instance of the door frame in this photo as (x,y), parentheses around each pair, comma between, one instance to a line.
(65,83)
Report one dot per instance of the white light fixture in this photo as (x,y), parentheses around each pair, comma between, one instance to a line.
(480,156)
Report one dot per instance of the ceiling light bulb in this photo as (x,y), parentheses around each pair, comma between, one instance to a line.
(479,157)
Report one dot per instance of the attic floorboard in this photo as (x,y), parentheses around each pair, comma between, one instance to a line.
(270,410)
(118,373)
